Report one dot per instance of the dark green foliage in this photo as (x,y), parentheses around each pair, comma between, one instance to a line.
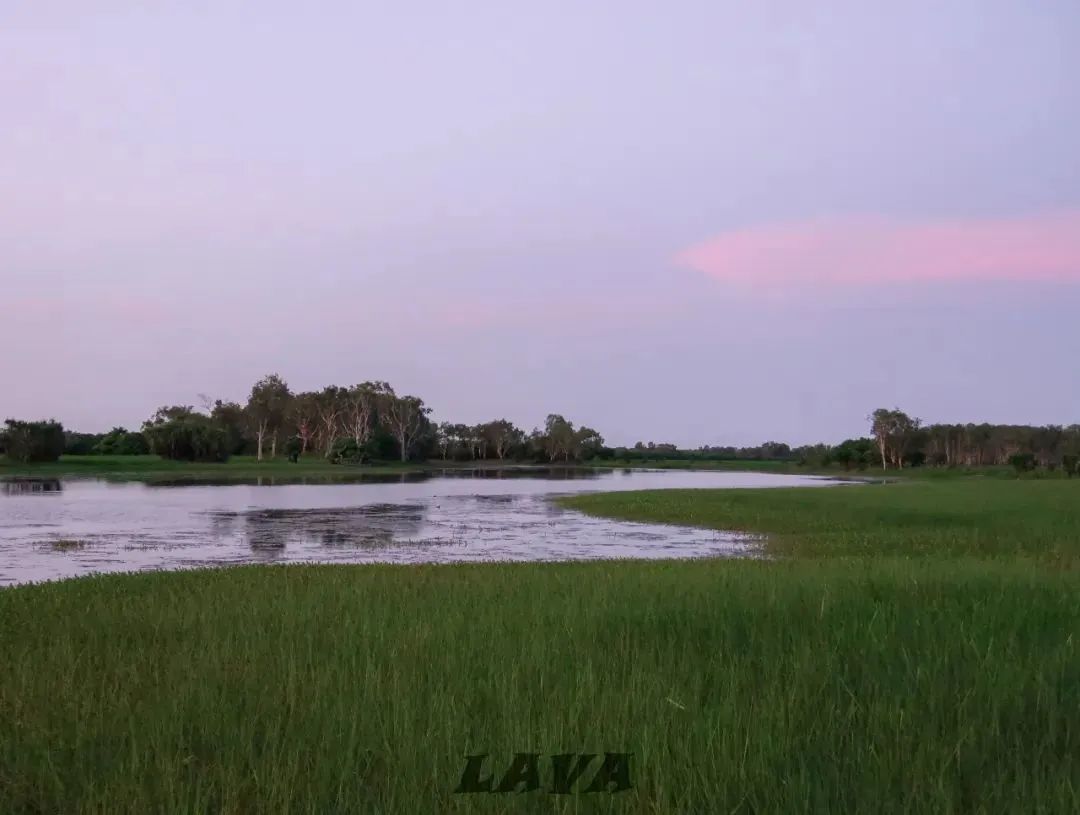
(1023,462)
(80,444)
(33,442)
(293,448)
(121,442)
(347,451)
(382,446)
(1070,464)
(190,437)
(231,418)
(853,454)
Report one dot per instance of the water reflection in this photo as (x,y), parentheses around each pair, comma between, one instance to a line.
(372,526)
(345,476)
(470,515)
(29,486)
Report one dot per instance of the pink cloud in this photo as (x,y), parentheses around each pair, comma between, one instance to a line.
(878,250)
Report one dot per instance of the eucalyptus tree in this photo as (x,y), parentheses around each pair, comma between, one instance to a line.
(587,442)
(502,436)
(304,418)
(330,406)
(893,430)
(362,406)
(560,440)
(444,439)
(405,417)
(267,409)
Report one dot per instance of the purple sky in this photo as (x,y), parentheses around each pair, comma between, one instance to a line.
(698,222)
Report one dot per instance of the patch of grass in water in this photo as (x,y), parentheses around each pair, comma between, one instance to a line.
(67,545)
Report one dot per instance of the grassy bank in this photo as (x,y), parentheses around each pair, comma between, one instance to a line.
(974,516)
(137,468)
(889,686)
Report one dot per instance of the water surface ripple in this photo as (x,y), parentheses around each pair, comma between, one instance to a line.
(56,529)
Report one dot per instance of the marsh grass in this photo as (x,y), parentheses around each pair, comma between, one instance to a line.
(912,649)
(67,545)
(976,517)
(890,685)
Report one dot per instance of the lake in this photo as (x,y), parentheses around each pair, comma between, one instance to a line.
(53,529)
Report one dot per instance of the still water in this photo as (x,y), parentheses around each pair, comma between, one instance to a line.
(55,529)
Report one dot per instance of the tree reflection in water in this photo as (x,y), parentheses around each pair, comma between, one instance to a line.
(376,526)
(26,486)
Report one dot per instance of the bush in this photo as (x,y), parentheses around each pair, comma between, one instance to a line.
(347,451)
(188,438)
(27,442)
(1023,462)
(80,444)
(120,442)
(1071,465)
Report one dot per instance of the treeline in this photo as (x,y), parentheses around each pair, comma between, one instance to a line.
(652,451)
(364,422)
(370,421)
(901,440)
(898,440)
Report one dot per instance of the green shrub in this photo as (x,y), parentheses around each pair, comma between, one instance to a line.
(27,442)
(192,437)
(121,442)
(347,451)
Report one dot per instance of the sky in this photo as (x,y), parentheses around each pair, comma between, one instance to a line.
(698,222)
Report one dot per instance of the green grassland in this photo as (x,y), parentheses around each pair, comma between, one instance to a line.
(981,517)
(909,647)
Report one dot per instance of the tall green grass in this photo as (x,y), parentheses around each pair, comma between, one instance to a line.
(978,517)
(883,685)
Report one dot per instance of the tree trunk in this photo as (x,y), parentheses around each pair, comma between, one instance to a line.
(404,449)
(273,445)
(260,435)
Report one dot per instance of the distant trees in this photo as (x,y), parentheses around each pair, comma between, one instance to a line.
(369,421)
(502,437)
(330,407)
(303,417)
(121,442)
(852,453)
(231,418)
(560,441)
(32,442)
(184,435)
(405,418)
(894,431)
(267,408)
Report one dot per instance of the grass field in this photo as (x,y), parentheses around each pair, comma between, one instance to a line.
(738,686)
(973,516)
(914,650)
